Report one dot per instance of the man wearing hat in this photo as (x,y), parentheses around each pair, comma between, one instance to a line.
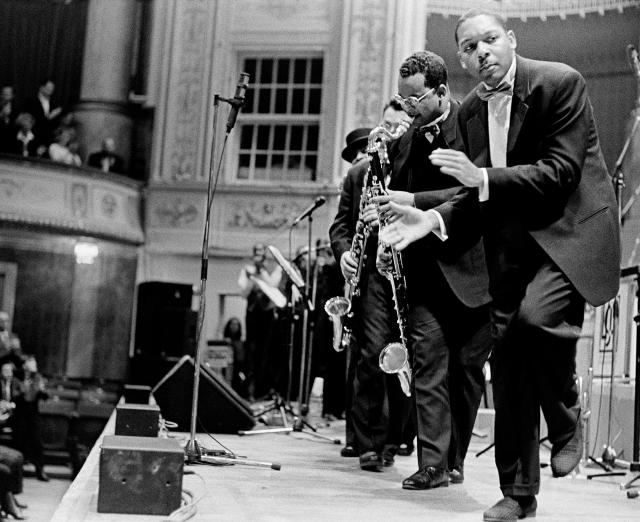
(373,431)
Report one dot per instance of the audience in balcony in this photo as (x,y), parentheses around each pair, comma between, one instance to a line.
(25,143)
(8,114)
(10,348)
(63,147)
(46,115)
(106,158)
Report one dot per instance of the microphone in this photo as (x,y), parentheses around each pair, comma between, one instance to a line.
(320,200)
(238,100)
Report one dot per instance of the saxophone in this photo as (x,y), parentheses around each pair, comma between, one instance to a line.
(394,358)
(340,307)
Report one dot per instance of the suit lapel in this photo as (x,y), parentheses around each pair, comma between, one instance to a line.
(519,107)
(478,135)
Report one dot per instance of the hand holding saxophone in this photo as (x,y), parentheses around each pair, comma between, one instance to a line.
(348,265)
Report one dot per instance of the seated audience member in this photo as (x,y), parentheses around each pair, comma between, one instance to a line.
(26,416)
(106,159)
(11,462)
(59,150)
(25,143)
(8,115)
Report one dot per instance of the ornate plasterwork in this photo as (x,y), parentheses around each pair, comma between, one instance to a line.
(70,199)
(369,29)
(260,214)
(189,71)
(176,213)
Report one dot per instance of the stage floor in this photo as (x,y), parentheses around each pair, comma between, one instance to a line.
(316,483)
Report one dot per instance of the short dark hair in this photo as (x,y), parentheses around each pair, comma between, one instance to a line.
(472,13)
(394,104)
(427,63)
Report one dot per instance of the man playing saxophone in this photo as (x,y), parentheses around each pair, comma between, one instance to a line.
(447,328)
(377,431)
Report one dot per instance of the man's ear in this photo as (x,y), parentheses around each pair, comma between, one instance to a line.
(512,39)
(442,90)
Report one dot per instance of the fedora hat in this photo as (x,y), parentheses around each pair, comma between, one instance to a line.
(356,140)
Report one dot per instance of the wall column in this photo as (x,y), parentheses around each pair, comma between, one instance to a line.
(103,108)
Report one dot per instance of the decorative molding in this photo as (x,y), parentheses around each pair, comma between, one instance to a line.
(260,215)
(176,214)
(369,29)
(72,199)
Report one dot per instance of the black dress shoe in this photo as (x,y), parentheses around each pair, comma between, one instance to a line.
(405,449)
(42,476)
(427,478)
(456,476)
(371,461)
(565,456)
(389,454)
(349,451)
(509,509)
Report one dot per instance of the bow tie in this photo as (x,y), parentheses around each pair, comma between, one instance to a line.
(429,131)
(485,93)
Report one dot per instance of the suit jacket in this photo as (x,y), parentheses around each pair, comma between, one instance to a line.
(462,259)
(555,188)
(343,227)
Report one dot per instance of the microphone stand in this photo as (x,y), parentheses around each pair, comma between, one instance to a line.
(193,452)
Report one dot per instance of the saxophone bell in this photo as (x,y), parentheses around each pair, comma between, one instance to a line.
(336,308)
(393,359)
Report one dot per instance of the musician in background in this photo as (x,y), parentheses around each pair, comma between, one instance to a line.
(447,288)
(380,409)
(256,286)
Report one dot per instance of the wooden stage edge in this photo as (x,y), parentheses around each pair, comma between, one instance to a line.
(315,483)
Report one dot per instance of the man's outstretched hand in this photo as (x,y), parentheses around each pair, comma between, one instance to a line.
(406,225)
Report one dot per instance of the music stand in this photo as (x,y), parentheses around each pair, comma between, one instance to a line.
(279,404)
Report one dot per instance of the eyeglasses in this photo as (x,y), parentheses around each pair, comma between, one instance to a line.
(411,102)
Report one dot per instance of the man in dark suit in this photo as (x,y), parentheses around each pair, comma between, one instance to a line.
(41,108)
(538,181)
(447,284)
(106,159)
(8,114)
(377,429)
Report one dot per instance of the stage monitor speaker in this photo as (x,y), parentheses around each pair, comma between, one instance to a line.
(137,420)
(140,475)
(165,323)
(136,394)
(220,408)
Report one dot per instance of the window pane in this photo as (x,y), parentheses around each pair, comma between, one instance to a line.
(283,71)
(266,71)
(279,137)
(316,70)
(263,137)
(312,137)
(294,161)
(243,166)
(299,70)
(246,136)
(310,163)
(314,101)
(281,101)
(264,100)
(248,104)
(277,161)
(261,161)
(297,101)
(250,68)
(295,143)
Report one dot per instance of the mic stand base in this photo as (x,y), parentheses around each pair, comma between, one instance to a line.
(299,425)
(192,451)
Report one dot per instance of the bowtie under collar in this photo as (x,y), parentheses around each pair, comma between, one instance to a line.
(429,131)
(485,93)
